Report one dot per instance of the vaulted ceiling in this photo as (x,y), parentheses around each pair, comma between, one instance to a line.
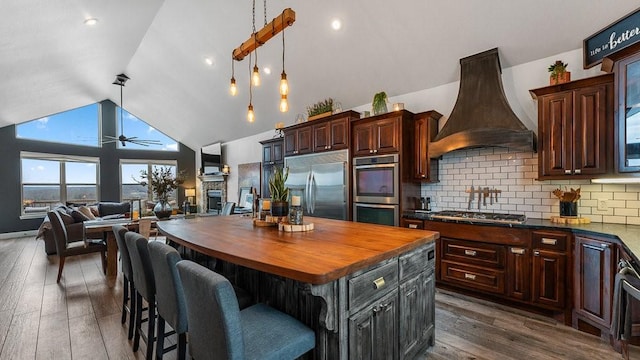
(50,61)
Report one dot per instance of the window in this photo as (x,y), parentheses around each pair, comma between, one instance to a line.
(48,179)
(134,127)
(77,127)
(130,176)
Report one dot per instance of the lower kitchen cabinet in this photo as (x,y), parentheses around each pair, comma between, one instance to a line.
(519,273)
(549,276)
(417,320)
(593,282)
(373,331)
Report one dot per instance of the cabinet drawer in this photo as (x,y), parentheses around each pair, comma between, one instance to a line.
(470,252)
(417,261)
(550,240)
(371,285)
(472,277)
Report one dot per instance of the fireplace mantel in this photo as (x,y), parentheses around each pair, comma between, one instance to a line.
(213,178)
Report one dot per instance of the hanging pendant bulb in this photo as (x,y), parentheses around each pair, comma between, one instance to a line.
(233,89)
(284,105)
(284,85)
(255,78)
(251,116)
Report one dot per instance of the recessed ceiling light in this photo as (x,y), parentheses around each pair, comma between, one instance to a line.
(267,70)
(208,61)
(336,24)
(90,21)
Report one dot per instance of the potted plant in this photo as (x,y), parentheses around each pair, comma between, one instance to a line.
(162,182)
(320,109)
(279,192)
(379,104)
(558,73)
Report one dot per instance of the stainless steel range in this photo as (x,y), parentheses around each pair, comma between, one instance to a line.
(476,217)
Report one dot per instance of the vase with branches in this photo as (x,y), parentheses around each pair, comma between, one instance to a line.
(162,182)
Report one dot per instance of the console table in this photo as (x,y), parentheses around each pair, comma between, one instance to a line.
(367,290)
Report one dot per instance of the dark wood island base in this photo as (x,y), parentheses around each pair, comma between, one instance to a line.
(367,290)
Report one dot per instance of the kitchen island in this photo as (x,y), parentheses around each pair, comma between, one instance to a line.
(366,290)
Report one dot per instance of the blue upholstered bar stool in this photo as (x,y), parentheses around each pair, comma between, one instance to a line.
(218,329)
(145,288)
(129,290)
(171,305)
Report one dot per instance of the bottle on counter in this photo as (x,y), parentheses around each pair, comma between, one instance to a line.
(428,204)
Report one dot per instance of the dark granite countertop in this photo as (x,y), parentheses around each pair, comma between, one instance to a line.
(629,235)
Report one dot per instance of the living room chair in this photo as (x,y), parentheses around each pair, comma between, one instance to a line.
(129,290)
(218,329)
(66,249)
(171,305)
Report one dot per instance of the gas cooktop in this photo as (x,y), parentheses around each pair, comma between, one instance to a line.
(484,217)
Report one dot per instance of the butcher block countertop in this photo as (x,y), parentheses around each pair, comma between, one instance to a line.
(334,249)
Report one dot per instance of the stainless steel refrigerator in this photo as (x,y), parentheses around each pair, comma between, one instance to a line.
(323,182)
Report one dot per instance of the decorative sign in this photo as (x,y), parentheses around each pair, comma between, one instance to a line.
(615,37)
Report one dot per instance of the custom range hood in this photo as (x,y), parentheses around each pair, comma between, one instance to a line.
(482,116)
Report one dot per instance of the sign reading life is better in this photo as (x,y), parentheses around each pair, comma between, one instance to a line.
(615,37)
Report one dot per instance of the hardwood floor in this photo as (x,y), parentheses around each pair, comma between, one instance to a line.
(80,318)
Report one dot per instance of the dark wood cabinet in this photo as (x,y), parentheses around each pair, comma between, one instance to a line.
(373,332)
(519,273)
(550,272)
(426,128)
(272,158)
(575,128)
(326,134)
(416,325)
(297,141)
(593,279)
(331,135)
(377,136)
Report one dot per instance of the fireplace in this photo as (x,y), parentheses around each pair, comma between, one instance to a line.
(212,194)
(214,201)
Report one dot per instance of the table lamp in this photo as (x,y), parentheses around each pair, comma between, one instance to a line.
(190,194)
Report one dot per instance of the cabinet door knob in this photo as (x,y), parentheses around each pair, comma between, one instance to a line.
(567,172)
(378,283)
(370,151)
(424,176)
(577,171)
(328,146)
(536,253)
(375,151)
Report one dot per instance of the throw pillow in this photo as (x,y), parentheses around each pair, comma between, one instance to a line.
(78,216)
(86,212)
(66,218)
(112,208)
(94,210)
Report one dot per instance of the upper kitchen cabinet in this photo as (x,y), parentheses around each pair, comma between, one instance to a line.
(326,134)
(272,151)
(575,128)
(628,103)
(426,127)
(380,134)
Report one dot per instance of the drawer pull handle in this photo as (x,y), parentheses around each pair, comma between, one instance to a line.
(518,251)
(469,276)
(378,283)
(413,226)
(470,252)
(548,241)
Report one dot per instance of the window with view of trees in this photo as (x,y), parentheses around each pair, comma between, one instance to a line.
(48,179)
(130,176)
(78,126)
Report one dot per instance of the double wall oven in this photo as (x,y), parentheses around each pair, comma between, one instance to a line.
(376,189)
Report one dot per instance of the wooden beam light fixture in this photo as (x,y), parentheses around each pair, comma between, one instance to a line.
(263,35)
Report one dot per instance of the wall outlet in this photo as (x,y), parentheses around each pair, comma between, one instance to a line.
(602,205)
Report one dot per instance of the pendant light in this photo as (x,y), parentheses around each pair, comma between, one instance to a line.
(284,85)
(251,116)
(255,76)
(233,89)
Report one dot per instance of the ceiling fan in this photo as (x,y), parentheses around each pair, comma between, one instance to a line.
(120,81)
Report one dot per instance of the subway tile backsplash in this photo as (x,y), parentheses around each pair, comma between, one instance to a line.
(515,173)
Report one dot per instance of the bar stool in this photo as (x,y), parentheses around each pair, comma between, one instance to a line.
(128,292)
(218,329)
(169,296)
(144,288)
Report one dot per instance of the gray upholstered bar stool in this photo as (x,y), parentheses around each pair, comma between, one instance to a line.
(171,305)
(145,288)
(129,290)
(218,329)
